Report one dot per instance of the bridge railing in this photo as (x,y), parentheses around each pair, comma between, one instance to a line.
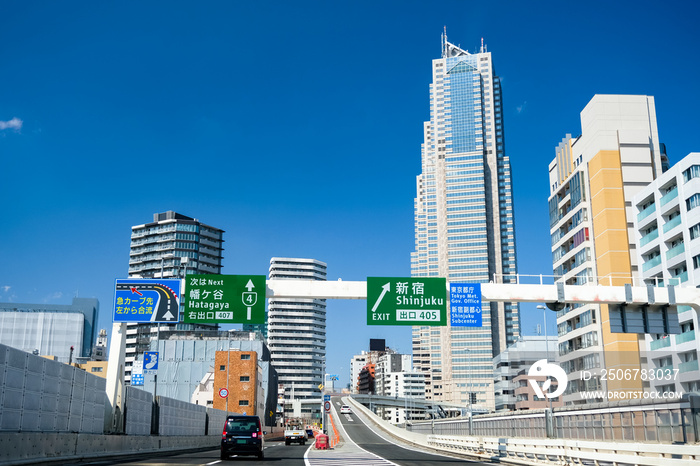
(642,421)
(541,451)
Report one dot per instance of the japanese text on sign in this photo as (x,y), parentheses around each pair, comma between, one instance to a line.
(225,299)
(465,305)
(406,301)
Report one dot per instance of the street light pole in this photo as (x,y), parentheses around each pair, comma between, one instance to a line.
(470,383)
(323,386)
(546,343)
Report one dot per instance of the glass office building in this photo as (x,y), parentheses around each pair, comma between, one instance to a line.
(464,222)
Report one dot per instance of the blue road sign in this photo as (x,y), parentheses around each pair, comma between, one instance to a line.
(146,300)
(326,398)
(150,362)
(465,305)
(136,379)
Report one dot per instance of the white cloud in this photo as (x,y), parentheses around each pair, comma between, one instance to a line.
(5,288)
(521,108)
(14,123)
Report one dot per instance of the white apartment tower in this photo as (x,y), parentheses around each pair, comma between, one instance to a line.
(171,246)
(667,226)
(297,334)
(464,222)
(593,180)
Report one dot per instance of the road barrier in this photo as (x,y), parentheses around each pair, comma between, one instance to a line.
(336,437)
(55,412)
(529,451)
(671,422)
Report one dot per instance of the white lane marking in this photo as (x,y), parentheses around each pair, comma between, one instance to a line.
(348,457)
(385,437)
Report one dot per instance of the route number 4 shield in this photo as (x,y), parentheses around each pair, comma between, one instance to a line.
(249,300)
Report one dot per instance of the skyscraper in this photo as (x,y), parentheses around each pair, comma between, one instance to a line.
(464,223)
(172,246)
(297,336)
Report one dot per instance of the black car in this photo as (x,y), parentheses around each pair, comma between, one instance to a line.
(243,435)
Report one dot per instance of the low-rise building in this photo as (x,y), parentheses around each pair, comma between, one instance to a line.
(185,359)
(64,331)
(511,378)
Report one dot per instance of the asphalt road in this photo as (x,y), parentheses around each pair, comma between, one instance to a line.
(387,448)
(276,453)
(361,447)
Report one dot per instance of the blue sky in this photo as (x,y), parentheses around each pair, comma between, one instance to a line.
(294,126)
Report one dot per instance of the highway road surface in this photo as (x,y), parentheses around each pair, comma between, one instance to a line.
(361,446)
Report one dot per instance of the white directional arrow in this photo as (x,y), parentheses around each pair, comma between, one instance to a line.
(385,289)
(249,286)
(168,316)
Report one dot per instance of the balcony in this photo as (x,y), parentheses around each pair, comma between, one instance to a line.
(649,238)
(687,366)
(660,343)
(685,337)
(671,224)
(668,197)
(646,212)
(674,251)
(651,263)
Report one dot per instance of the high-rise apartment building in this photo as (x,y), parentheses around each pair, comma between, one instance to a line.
(297,337)
(667,227)
(464,222)
(593,180)
(172,246)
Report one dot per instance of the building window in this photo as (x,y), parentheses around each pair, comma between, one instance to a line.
(243,403)
(222,368)
(692,202)
(96,369)
(695,231)
(245,357)
(692,172)
(245,378)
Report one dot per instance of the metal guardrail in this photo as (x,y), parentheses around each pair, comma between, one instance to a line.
(559,451)
(667,423)
(533,451)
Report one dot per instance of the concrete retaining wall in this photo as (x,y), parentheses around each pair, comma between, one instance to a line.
(30,447)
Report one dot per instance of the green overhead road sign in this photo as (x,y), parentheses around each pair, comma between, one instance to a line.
(406,301)
(225,299)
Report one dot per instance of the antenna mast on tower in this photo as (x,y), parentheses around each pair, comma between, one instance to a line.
(444,42)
